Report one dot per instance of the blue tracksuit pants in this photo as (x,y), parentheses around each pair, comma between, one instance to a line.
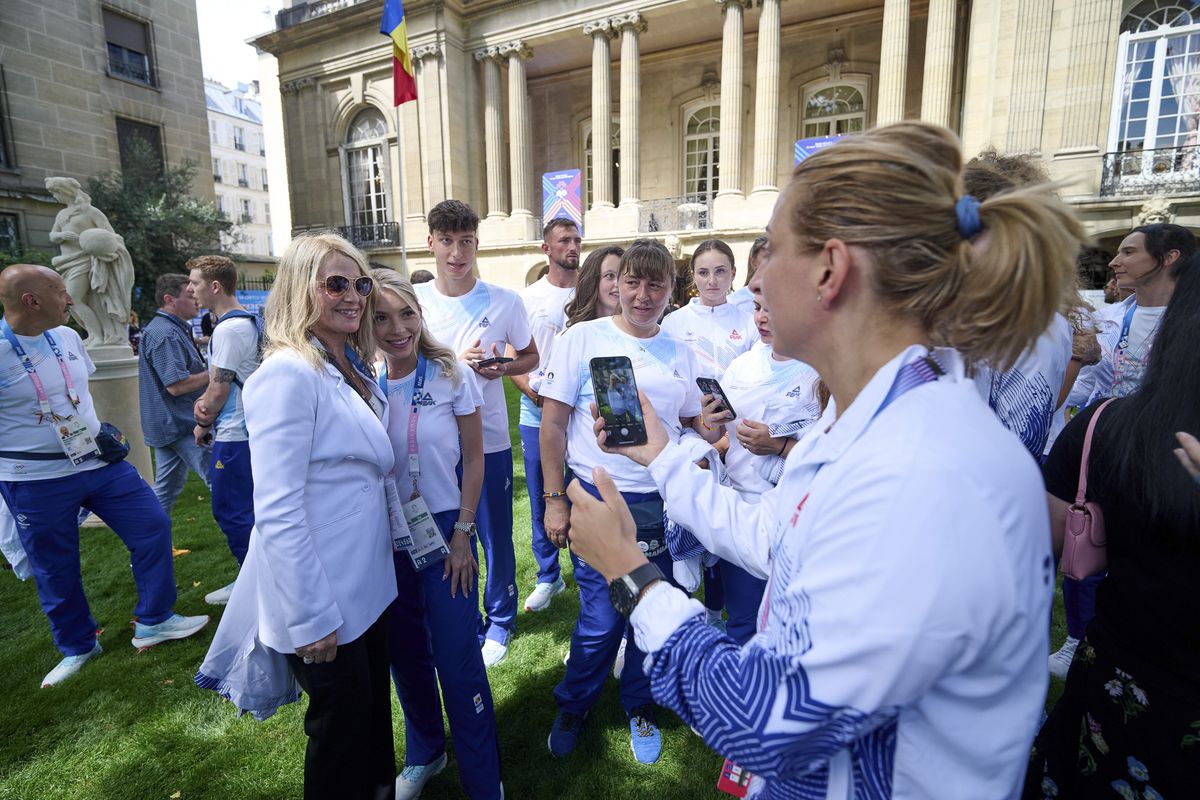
(743,597)
(47,514)
(598,632)
(233,494)
(494,519)
(428,631)
(544,551)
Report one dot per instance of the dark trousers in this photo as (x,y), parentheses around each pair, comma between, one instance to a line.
(349,721)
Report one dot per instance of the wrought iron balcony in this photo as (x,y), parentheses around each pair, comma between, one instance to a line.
(1164,170)
(687,213)
(303,12)
(373,236)
(242,182)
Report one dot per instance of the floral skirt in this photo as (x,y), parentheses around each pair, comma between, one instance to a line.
(1117,735)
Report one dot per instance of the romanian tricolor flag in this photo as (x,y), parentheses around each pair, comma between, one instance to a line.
(393,26)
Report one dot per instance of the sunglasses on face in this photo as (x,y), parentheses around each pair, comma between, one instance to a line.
(338,284)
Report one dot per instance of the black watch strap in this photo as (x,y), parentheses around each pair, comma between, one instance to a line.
(625,590)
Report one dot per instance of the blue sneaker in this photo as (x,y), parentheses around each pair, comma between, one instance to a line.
(412,780)
(645,737)
(174,627)
(564,733)
(68,667)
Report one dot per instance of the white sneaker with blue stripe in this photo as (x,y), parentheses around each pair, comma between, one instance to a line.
(412,780)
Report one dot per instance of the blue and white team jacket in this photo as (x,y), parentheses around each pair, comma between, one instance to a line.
(902,638)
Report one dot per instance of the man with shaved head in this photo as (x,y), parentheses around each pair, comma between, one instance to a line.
(50,467)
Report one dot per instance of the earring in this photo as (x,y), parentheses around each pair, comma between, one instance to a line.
(818,297)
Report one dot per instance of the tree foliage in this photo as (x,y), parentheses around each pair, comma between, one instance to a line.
(163,224)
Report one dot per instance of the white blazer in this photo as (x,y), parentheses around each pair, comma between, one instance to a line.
(321,540)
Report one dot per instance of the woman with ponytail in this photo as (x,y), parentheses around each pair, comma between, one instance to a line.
(901,646)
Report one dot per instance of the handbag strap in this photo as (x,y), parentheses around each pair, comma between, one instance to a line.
(1087,447)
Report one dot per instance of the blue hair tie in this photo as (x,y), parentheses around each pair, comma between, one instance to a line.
(967,210)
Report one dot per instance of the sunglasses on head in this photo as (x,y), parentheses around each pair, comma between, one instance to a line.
(338,284)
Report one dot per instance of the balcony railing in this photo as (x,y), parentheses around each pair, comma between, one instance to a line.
(375,235)
(1164,170)
(675,214)
(129,64)
(239,145)
(306,11)
(217,178)
(242,182)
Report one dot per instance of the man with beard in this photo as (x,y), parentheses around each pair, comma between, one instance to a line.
(545,302)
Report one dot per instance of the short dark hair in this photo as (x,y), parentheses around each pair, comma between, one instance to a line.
(169,283)
(420,276)
(216,268)
(648,258)
(1162,238)
(759,244)
(558,222)
(453,216)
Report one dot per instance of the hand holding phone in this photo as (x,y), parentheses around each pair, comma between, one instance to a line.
(617,401)
(491,362)
(710,386)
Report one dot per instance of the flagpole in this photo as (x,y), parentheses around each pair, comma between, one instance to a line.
(400,183)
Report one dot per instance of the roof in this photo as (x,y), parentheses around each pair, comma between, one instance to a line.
(235,103)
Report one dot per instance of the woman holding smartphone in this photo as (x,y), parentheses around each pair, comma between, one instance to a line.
(664,369)
(901,647)
(434,416)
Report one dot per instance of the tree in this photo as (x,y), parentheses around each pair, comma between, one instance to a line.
(163,225)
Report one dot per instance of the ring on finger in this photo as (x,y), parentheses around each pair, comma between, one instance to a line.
(308,659)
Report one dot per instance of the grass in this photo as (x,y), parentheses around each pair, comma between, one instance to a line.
(132,725)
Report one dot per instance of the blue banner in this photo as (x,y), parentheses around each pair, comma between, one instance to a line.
(562,196)
(253,300)
(806,147)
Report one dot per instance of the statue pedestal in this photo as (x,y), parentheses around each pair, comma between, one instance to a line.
(114,388)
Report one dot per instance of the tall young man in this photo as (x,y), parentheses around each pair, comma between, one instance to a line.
(233,354)
(545,303)
(171,377)
(50,467)
(478,321)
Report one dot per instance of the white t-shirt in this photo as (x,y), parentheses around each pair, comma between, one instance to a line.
(764,389)
(716,334)
(1130,362)
(442,399)
(20,428)
(743,298)
(546,306)
(488,313)
(664,369)
(234,346)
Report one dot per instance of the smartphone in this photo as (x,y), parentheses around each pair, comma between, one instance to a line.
(710,386)
(487,362)
(617,400)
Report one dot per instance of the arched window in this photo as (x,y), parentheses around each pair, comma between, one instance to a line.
(1156,104)
(834,109)
(615,145)
(365,170)
(702,153)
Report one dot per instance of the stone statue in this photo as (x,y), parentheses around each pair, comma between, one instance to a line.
(94,265)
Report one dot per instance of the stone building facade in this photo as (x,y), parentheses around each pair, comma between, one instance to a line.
(239,165)
(80,79)
(702,102)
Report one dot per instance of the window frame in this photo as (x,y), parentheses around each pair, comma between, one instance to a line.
(151,63)
(713,150)
(858,82)
(585,133)
(347,151)
(148,126)
(8,148)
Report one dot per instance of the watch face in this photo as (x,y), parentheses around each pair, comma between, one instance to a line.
(621,597)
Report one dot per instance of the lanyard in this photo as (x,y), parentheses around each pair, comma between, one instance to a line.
(43,399)
(414,458)
(1123,340)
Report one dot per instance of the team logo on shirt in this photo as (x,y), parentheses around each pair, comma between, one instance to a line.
(677,375)
(71,356)
(424,399)
(485,323)
(796,391)
(734,336)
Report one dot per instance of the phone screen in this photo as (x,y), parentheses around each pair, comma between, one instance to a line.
(617,400)
(710,386)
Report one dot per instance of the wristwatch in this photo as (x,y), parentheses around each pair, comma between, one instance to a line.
(466,527)
(624,592)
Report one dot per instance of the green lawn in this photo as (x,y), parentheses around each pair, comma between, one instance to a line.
(133,725)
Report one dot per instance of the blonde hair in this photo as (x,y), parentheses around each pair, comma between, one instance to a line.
(893,192)
(292,308)
(432,349)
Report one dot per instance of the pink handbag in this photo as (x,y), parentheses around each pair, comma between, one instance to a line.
(1084,546)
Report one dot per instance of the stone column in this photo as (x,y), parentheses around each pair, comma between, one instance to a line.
(427,185)
(600,178)
(893,62)
(731,97)
(493,134)
(766,100)
(520,143)
(630,25)
(939,63)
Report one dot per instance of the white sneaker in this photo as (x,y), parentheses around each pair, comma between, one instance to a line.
(412,780)
(619,663)
(174,627)
(68,667)
(493,652)
(539,599)
(1060,662)
(220,596)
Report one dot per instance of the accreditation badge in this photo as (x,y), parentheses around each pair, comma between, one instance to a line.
(76,440)
(401,536)
(428,545)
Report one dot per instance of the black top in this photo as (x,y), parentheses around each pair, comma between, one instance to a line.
(1148,606)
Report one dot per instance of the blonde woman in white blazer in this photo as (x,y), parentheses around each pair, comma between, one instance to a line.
(321,545)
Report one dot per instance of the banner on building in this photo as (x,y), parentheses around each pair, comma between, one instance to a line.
(806,147)
(562,196)
(253,300)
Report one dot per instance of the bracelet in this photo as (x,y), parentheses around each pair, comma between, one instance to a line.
(470,511)
(782,447)
(552,495)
